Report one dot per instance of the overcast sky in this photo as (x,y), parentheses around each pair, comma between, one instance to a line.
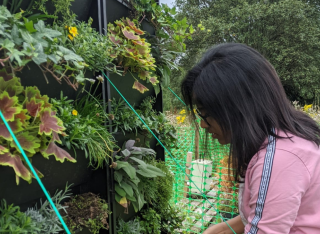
(168,2)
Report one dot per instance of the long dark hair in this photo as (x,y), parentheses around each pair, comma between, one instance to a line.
(241,90)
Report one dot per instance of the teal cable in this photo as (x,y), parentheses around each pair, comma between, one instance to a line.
(203,195)
(177,96)
(35,174)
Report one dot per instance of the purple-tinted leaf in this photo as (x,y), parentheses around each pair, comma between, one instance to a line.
(59,153)
(136,148)
(33,107)
(14,161)
(6,76)
(44,99)
(154,80)
(49,123)
(23,117)
(115,40)
(119,23)
(140,87)
(140,42)
(12,86)
(130,50)
(8,106)
(15,126)
(130,144)
(32,92)
(3,149)
(38,173)
(28,142)
(130,34)
(55,137)
(133,27)
(143,75)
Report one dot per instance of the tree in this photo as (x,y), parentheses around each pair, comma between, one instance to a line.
(286,32)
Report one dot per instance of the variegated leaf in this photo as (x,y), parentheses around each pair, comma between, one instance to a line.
(58,152)
(14,161)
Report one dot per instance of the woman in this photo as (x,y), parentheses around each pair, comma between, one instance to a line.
(274,148)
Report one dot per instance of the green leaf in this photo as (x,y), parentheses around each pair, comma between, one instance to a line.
(142,163)
(127,188)
(118,176)
(69,55)
(28,142)
(121,165)
(29,25)
(150,171)
(117,197)
(119,190)
(7,44)
(155,170)
(46,32)
(130,170)
(191,29)
(156,89)
(27,37)
(126,152)
(131,198)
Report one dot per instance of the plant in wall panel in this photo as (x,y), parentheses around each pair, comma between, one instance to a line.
(87,210)
(130,227)
(45,217)
(132,52)
(22,41)
(84,121)
(124,120)
(171,34)
(89,44)
(129,168)
(13,221)
(34,123)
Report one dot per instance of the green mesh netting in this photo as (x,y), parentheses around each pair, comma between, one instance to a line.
(210,173)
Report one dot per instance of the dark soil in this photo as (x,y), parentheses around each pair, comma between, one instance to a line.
(84,207)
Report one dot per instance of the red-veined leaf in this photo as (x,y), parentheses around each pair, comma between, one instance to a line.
(130,50)
(154,80)
(9,106)
(38,173)
(23,117)
(143,75)
(12,86)
(15,126)
(119,23)
(140,42)
(140,87)
(15,162)
(130,23)
(130,34)
(115,39)
(28,142)
(133,27)
(55,137)
(3,149)
(32,91)
(59,153)
(49,123)
(6,76)
(45,100)
(34,108)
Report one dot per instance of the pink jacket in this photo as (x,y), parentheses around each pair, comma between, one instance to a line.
(282,188)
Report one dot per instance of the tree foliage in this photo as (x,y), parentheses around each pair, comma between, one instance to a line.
(286,32)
